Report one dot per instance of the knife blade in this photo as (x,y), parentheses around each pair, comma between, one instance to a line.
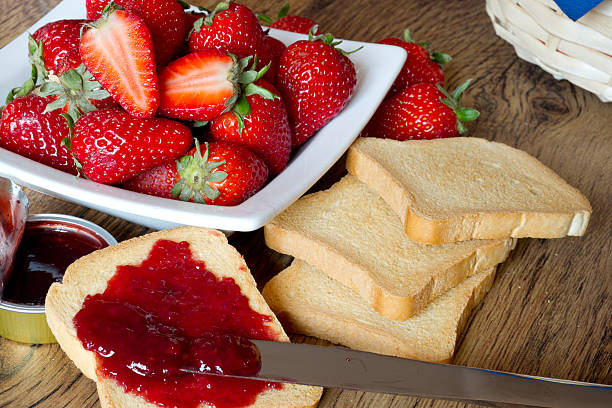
(339,367)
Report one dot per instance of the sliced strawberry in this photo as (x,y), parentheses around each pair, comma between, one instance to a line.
(225,174)
(112,146)
(117,49)
(164,18)
(198,86)
(204,84)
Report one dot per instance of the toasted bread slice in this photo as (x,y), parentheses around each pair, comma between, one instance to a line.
(351,234)
(309,302)
(89,275)
(456,189)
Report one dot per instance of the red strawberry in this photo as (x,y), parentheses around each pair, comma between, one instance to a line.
(202,85)
(420,66)
(227,174)
(118,51)
(113,146)
(57,39)
(275,49)
(164,18)
(26,129)
(421,111)
(266,129)
(316,82)
(296,24)
(232,28)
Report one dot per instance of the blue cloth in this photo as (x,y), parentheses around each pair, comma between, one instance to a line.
(575,9)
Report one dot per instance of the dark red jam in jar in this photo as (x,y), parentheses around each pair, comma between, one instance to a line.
(45,251)
(171,312)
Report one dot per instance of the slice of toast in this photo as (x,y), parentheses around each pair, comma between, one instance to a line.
(89,275)
(455,189)
(351,234)
(309,302)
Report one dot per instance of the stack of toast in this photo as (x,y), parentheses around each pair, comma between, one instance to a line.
(394,256)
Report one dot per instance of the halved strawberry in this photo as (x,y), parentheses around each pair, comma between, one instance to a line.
(204,84)
(117,49)
(165,19)
(198,85)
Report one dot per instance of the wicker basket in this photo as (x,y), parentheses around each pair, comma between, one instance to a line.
(580,51)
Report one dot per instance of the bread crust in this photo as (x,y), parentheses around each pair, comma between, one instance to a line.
(431,335)
(461,226)
(287,234)
(89,275)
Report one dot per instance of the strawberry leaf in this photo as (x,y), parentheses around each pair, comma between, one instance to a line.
(252,89)
(264,18)
(59,103)
(263,71)
(221,7)
(453,101)
(467,114)
(211,192)
(72,80)
(50,88)
(406,36)
(458,92)
(441,58)
(197,25)
(199,123)
(283,11)
(217,176)
(247,77)
(70,126)
(67,143)
(243,107)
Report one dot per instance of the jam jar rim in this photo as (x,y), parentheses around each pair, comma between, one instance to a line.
(67,219)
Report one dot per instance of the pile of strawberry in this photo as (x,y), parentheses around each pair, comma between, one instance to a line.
(418,106)
(119,97)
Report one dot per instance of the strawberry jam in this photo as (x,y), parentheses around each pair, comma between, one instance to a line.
(45,251)
(171,312)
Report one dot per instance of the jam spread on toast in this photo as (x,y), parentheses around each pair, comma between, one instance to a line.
(171,312)
(45,251)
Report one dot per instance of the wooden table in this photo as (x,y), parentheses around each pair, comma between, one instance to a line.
(549,312)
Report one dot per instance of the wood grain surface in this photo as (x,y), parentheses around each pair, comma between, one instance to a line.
(549,312)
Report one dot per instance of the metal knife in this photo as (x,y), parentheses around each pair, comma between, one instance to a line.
(339,367)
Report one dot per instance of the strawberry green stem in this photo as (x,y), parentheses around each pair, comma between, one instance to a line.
(453,101)
(196,176)
(329,40)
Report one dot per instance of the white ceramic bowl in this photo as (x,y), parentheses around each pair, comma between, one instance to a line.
(377,66)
